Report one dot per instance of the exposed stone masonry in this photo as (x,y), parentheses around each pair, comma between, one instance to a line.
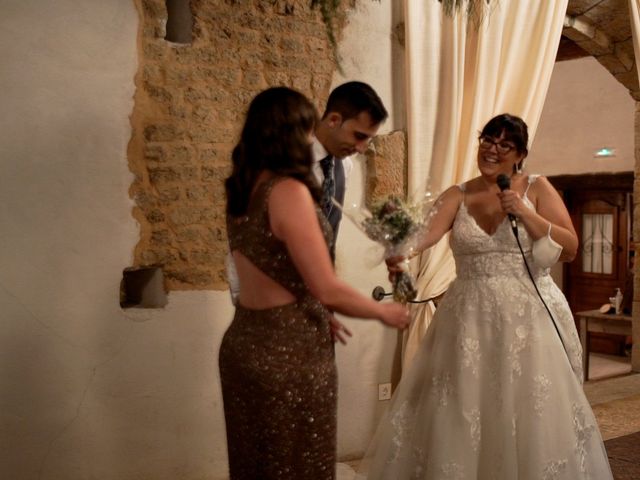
(386,167)
(635,357)
(189,107)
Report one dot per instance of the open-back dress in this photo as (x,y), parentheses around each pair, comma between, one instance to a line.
(277,366)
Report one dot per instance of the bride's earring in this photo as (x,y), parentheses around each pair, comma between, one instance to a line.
(520,166)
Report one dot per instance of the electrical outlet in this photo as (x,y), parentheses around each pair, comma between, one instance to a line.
(384,391)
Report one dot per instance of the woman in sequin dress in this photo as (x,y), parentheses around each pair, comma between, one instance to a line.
(495,392)
(276,360)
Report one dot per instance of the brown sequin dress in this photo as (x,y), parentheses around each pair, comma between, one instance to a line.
(277,367)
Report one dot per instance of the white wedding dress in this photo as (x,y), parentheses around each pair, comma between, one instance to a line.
(491,393)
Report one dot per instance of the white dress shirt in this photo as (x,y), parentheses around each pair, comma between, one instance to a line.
(319,152)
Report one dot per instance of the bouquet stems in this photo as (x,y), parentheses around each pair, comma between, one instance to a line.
(404,289)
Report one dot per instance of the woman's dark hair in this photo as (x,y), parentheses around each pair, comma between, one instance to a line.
(514,128)
(275,137)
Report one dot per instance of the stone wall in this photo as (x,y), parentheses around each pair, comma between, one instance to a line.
(635,357)
(386,167)
(189,107)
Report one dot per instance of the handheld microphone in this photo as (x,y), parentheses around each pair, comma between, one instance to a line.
(504,183)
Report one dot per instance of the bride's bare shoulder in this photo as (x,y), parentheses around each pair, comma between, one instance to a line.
(452,195)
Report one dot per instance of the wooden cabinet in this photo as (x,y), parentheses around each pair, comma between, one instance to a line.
(600,208)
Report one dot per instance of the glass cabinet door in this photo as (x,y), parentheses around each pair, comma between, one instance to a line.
(597,243)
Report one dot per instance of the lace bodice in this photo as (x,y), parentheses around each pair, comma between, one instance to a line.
(479,254)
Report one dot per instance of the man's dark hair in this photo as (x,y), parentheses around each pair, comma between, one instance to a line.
(352,98)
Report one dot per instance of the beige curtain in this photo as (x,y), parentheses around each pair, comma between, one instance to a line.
(458,77)
(634,15)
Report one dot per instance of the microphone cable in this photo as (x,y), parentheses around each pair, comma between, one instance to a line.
(526,264)
(504,183)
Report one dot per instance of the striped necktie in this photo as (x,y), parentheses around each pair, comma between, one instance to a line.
(328,184)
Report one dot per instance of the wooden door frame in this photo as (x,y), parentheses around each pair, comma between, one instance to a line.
(613,188)
(567,184)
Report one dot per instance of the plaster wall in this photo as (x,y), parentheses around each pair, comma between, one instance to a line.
(586,109)
(371,54)
(89,390)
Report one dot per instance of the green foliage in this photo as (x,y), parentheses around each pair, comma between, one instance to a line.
(328,11)
(474,10)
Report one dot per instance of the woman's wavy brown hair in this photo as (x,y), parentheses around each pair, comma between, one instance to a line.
(275,137)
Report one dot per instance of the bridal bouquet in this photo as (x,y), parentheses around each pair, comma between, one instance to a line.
(397,225)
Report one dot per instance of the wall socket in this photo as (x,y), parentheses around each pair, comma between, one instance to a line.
(384,391)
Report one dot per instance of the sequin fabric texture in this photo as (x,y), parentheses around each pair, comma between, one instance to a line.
(277,367)
(491,393)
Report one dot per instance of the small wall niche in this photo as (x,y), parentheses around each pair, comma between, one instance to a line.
(179,22)
(143,288)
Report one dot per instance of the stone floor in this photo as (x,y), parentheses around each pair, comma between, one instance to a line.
(612,391)
(606,366)
(624,456)
(616,404)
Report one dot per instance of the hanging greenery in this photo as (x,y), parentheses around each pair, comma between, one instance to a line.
(474,10)
(328,12)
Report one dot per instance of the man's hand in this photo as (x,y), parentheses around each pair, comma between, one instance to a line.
(338,330)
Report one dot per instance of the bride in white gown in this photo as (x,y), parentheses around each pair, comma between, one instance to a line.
(493,392)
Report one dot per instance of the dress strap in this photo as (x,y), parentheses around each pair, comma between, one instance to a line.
(530,181)
(463,189)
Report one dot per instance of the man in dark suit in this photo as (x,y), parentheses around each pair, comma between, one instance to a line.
(352,117)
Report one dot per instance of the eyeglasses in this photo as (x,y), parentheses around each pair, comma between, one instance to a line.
(502,147)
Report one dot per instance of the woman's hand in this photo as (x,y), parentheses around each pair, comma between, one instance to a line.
(294,221)
(395,315)
(511,202)
(395,265)
(549,209)
(338,330)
